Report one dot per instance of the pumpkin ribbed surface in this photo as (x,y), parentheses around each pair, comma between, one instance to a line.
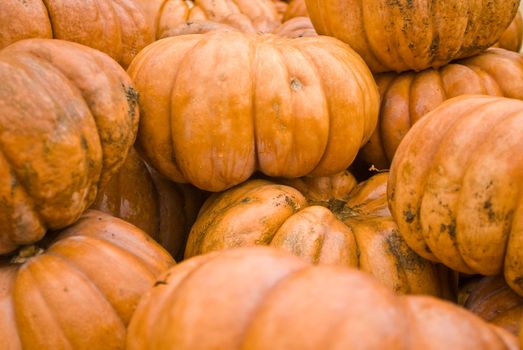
(455,186)
(318,108)
(512,38)
(68,115)
(81,290)
(413,35)
(327,220)
(493,300)
(407,97)
(161,208)
(281,302)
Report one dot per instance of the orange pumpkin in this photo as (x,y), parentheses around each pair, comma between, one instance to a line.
(328,220)
(260,298)
(261,15)
(281,7)
(311,117)
(79,289)
(454,187)
(140,196)
(296,8)
(412,35)
(512,38)
(407,97)
(68,117)
(493,300)
(117,27)
(294,28)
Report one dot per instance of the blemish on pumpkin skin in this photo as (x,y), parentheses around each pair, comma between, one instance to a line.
(409,216)
(406,259)
(518,281)
(296,85)
(132,97)
(490,212)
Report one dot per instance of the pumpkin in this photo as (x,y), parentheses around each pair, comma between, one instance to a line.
(296,8)
(294,28)
(311,117)
(68,116)
(117,27)
(281,7)
(329,220)
(407,97)
(79,289)
(140,196)
(493,300)
(413,35)
(261,298)
(261,15)
(454,187)
(512,38)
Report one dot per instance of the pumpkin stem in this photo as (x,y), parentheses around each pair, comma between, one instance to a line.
(26,253)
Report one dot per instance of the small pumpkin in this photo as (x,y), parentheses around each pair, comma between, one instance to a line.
(296,8)
(412,35)
(261,298)
(493,300)
(454,187)
(69,115)
(78,290)
(161,208)
(512,38)
(407,97)
(329,220)
(319,107)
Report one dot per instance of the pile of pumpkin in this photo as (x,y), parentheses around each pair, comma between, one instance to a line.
(256,123)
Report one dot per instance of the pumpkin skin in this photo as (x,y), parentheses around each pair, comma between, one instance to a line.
(83,115)
(512,38)
(297,27)
(493,300)
(407,97)
(117,27)
(405,35)
(329,220)
(296,8)
(81,291)
(262,15)
(454,186)
(140,196)
(318,109)
(271,293)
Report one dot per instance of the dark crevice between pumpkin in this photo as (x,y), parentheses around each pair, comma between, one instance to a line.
(339,208)
(26,252)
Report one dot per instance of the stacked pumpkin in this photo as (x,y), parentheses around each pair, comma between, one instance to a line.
(243,98)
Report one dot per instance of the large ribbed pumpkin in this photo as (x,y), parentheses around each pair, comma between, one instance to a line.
(328,220)
(163,209)
(455,187)
(407,97)
(217,107)
(80,289)
(413,35)
(512,38)
(68,117)
(493,300)
(260,298)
